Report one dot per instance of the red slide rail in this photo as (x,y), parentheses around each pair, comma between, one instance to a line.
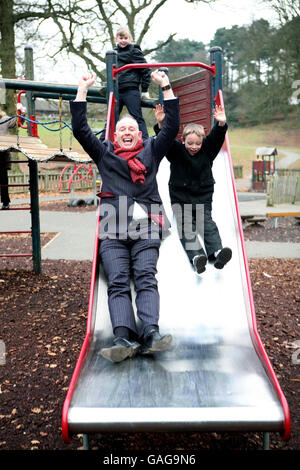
(86,343)
(211,68)
(257,342)
(88,336)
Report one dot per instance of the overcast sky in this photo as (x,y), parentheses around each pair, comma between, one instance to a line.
(197,22)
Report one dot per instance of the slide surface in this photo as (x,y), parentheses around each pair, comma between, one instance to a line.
(216,378)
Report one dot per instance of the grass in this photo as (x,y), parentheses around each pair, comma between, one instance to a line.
(243,142)
(52,138)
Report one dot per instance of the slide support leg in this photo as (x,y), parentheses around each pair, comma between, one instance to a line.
(266,441)
(85,441)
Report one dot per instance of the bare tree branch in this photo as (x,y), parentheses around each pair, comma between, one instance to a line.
(285,9)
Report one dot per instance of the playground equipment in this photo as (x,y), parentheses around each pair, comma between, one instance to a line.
(30,207)
(263,166)
(77,175)
(218,377)
(32,147)
(36,151)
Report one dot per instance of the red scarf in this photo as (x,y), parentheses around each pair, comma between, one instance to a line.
(137,169)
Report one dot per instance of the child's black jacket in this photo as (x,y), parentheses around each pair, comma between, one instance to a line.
(132,78)
(191,178)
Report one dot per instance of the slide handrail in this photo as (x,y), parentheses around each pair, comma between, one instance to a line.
(210,68)
(87,340)
(259,347)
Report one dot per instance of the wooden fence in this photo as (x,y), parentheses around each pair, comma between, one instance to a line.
(47,182)
(238,171)
(284,188)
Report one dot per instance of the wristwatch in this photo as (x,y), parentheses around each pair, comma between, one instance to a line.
(167,87)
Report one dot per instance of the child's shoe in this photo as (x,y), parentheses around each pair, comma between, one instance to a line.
(223,257)
(199,262)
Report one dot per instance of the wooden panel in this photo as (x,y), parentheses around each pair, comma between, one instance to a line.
(34,149)
(194,96)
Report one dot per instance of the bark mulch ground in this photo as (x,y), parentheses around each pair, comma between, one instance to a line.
(43,321)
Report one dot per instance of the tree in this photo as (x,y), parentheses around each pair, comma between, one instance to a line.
(13,15)
(182,50)
(258,77)
(83,28)
(285,9)
(90,41)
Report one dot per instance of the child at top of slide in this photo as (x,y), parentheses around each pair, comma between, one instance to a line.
(131,80)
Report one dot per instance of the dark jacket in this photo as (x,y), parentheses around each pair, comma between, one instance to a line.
(191,178)
(132,78)
(114,171)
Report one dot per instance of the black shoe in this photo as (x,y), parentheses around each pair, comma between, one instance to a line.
(5,207)
(199,262)
(223,257)
(121,349)
(154,342)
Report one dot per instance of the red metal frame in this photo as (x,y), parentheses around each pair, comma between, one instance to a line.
(21,255)
(74,173)
(87,340)
(18,231)
(33,126)
(257,342)
(211,68)
(19,209)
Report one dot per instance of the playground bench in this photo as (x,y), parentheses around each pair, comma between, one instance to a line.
(295,214)
(253,219)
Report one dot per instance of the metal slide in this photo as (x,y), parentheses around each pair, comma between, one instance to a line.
(216,378)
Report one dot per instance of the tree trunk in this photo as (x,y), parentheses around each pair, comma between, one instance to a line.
(7,50)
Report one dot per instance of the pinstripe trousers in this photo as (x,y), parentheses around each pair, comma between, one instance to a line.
(194,219)
(121,259)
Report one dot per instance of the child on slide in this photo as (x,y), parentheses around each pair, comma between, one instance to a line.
(191,188)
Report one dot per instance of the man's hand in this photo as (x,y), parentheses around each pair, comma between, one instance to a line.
(219,115)
(83,85)
(87,81)
(160,78)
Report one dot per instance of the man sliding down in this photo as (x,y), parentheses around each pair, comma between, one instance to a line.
(128,167)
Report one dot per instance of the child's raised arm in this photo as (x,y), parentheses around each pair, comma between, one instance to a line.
(219,115)
(159,113)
